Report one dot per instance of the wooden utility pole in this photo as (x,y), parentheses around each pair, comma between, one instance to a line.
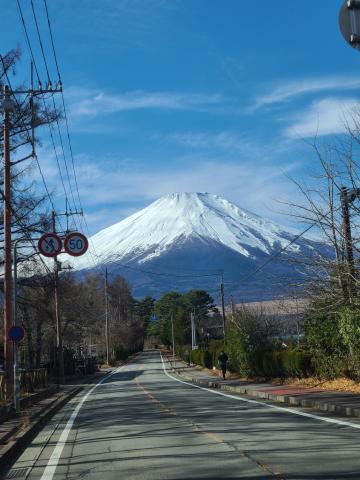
(106,317)
(8,105)
(8,314)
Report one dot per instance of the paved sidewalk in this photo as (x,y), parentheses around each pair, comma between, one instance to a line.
(346,404)
(16,432)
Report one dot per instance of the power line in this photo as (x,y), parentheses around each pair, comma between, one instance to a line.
(54,106)
(93,253)
(283,249)
(25,232)
(49,80)
(28,41)
(40,41)
(52,40)
(168,274)
(66,123)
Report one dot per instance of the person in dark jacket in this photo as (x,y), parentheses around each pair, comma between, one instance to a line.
(223,359)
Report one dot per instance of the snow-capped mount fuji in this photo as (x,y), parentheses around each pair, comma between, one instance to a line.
(185,234)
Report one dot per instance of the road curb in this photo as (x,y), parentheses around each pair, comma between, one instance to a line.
(295,401)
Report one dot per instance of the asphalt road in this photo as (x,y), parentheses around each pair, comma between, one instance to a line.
(141,423)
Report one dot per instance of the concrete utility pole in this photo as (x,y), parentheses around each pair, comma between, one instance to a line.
(8,314)
(223,303)
(232,309)
(346,199)
(106,317)
(193,331)
(173,339)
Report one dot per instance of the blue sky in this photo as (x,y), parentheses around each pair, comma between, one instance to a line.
(190,95)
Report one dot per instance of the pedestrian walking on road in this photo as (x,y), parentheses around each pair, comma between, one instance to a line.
(223,358)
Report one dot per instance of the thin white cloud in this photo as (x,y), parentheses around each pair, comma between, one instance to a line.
(100,103)
(225,141)
(289,90)
(325,117)
(235,182)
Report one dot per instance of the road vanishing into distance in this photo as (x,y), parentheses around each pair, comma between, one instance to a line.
(141,422)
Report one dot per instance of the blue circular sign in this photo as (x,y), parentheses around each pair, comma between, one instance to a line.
(16,333)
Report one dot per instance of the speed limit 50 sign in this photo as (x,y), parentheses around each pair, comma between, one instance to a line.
(76,244)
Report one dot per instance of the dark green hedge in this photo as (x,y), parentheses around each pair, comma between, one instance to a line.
(269,364)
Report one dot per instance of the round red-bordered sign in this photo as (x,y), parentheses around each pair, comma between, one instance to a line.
(50,245)
(76,244)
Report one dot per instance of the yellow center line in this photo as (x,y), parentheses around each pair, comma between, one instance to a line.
(199,429)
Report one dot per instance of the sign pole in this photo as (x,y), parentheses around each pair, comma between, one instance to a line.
(59,342)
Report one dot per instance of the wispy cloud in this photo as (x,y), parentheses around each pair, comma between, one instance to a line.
(235,182)
(289,90)
(225,141)
(324,117)
(99,103)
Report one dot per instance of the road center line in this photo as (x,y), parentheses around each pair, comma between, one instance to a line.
(256,402)
(55,457)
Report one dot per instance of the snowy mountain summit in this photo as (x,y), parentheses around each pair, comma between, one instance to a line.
(185,235)
(179,217)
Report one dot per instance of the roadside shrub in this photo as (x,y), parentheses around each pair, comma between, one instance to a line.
(197,357)
(349,320)
(121,353)
(208,359)
(325,344)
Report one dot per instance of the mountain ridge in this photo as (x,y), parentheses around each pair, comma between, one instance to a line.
(181,232)
(176,217)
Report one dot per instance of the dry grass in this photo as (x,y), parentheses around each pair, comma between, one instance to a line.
(339,384)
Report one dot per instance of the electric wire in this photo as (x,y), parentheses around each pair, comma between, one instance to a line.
(167,274)
(28,41)
(57,121)
(260,268)
(52,40)
(283,249)
(66,125)
(54,106)
(40,41)
(92,250)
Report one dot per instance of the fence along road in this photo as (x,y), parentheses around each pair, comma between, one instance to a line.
(142,423)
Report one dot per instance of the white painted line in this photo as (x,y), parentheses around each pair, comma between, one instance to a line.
(55,457)
(268,405)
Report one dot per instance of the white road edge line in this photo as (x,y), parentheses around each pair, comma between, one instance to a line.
(55,457)
(275,407)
